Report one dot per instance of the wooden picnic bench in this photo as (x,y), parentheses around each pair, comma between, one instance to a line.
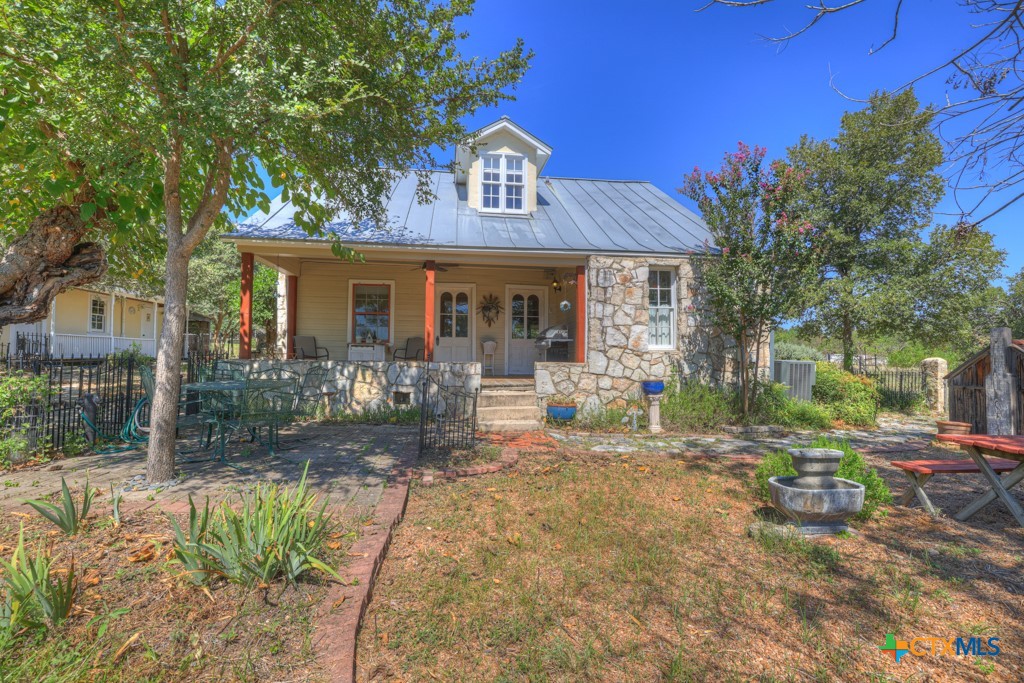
(988,453)
(920,471)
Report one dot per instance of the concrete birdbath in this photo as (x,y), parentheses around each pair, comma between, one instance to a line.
(815,500)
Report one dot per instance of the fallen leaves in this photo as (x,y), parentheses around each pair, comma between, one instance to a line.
(124,648)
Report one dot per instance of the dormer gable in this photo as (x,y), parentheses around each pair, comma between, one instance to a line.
(499,165)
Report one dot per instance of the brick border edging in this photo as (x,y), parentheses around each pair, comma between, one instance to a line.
(338,629)
(508,459)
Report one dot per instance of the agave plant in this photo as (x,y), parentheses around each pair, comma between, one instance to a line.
(33,597)
(278,532)
(115,504)
(68,516)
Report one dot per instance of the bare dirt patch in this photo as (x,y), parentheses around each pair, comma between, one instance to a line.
(637,567)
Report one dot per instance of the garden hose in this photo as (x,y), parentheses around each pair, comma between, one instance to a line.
(131,436)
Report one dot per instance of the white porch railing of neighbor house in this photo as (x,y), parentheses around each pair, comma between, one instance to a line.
(78,345)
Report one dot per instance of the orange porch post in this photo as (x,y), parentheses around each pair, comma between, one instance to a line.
(290,300)
(428,312)
(245,316)
(581,315)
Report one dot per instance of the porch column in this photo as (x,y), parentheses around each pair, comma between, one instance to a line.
(156,345)
(245,315)
(291,299)
(428,312)
(113,305)
(581,314)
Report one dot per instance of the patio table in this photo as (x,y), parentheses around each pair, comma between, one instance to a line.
(980,447)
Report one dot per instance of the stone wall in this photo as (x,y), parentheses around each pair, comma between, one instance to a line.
(618,357)
(357,386)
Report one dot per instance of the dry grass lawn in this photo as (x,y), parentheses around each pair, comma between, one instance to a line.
(639,568)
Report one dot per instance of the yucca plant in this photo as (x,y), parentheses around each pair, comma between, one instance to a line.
(68,516)
(33,597)
(277,532)
(188,548)
(115,505)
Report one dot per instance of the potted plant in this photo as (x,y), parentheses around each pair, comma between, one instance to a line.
(953,427)
(561,408)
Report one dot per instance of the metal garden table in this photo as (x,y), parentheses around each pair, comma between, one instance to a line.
(232,386)
(980,447)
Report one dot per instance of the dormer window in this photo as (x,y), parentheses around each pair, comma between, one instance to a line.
(503,183)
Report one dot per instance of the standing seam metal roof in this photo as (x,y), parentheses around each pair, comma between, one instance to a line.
(573,214)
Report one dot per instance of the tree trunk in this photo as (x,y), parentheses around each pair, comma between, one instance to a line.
(164,413)
(48,259)
(847,343)
(744,379)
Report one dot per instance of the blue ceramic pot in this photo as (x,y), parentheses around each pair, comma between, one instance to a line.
(562,413)
(653,388)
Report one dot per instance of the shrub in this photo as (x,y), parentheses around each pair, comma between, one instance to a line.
(849,398)
(787,350)
(18,391)
(68,515)
(277,532)
(614,418)
(382,415)
(774,406)
(31,597)
(692,406)
(852,466)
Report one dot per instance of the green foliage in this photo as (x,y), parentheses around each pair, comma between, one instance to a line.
(1013,314)
(18,391)
(766,250)
(69,515)
(774,406)
(612,418)
(694,407)
(873,188)
(850,399)
(382,415)
(779,463)
(275,533)
(133,354)
(32,597)
(786,350)
(115,504)
(910,355)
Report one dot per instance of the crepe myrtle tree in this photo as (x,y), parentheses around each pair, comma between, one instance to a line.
(129,122)
(766,252)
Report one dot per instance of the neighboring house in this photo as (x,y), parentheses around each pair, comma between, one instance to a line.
(610,264)
(91,321)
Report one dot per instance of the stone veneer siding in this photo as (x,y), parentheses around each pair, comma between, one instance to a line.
(618,357)
(356,386)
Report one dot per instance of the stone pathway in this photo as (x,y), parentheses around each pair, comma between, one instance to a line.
(894,433)
(348,463)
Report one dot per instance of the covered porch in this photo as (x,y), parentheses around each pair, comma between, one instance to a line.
(487,307)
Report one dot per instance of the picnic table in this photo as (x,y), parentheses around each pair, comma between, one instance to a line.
(982,448)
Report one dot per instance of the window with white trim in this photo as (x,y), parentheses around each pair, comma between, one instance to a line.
(97,315)
(503,183)
(661,300)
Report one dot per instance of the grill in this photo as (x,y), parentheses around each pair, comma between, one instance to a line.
(554,342)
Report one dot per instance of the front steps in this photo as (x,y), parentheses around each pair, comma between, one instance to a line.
(507,405)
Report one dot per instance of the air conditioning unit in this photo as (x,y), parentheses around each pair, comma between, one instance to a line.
(797,375)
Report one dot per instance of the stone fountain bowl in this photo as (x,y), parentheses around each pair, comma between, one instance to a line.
(817,510)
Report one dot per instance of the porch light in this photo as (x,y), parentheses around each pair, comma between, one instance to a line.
(556,284)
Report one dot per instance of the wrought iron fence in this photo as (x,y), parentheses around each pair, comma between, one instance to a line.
(447,416)
(900,388)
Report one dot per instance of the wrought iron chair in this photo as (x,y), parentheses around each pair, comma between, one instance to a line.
(414,349)
(190,410)
(311,391)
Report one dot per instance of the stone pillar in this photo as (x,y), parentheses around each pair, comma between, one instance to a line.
(1000,386)
(935,371)
(654,413)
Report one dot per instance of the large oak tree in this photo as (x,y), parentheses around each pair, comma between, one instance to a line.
(140,122)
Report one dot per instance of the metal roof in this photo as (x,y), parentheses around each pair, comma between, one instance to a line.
(573,214)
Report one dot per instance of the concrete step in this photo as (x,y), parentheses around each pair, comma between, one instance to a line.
(489,398)
(507,412)
(501,383)
(508,425)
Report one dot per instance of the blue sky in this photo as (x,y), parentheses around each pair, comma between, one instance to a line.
(648,90)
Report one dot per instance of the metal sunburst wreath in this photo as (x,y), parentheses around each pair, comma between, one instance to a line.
(490,308)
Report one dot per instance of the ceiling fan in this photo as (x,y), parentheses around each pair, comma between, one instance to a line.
(440,267)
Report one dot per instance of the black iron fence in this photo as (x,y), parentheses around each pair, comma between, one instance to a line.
(447,416)
(50,418)
(900,388)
